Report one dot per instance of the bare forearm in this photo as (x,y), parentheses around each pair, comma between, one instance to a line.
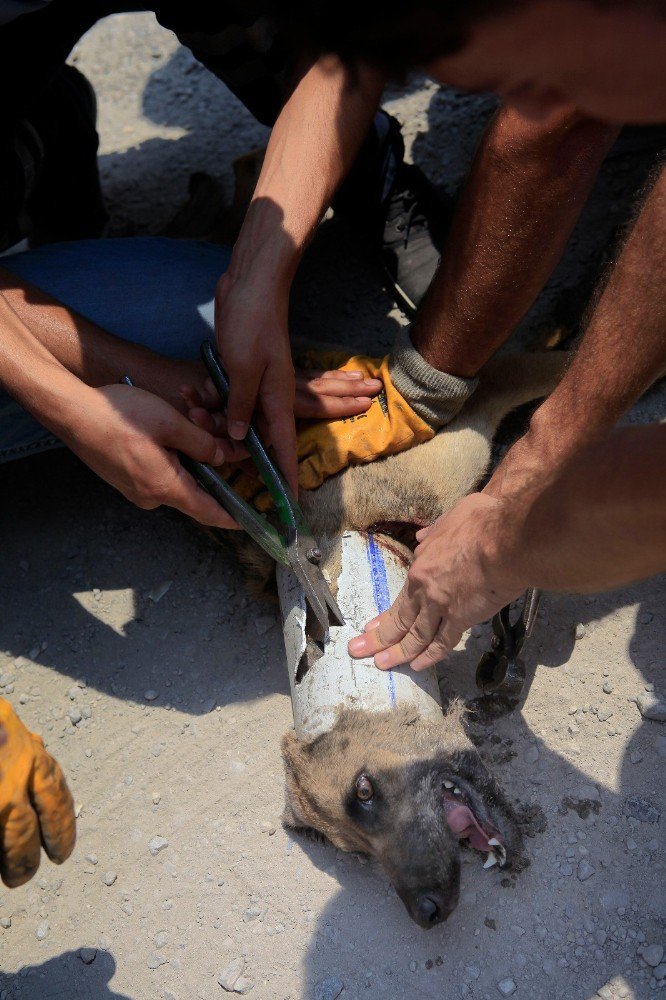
(622,353)
(523,196)
(313,144)
(93,355)
(602,522)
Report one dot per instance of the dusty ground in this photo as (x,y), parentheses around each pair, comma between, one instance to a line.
(166,706)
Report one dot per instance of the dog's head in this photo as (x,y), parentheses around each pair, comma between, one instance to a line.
(405,791)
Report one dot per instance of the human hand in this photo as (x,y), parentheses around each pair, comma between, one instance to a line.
(36,807)
(463,572)
(130,437)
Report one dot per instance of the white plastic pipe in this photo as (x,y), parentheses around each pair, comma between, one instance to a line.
(323,676)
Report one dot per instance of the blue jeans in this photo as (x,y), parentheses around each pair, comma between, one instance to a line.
(148,290)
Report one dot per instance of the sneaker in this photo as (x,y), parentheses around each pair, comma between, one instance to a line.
(417,220)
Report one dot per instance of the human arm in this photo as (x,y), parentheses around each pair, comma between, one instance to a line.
(526,188)
(127,436)
(478,545)
(311,148)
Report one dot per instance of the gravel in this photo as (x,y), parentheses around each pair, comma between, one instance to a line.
(110,878)
(87,955)
(231,974)
(157,844)
(507,987)
(653,955)
(329,988)
(652,706)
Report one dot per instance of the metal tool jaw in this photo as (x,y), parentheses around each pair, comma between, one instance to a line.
(500,670)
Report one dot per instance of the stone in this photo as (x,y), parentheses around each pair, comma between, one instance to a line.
(231,973)
(110,878)
(268,827)
(653,955)
(635,756)
(660,972)
(157,844)
(531,755)
(243,985)
(604,714)
(150,694)
(580,631)
(161,939)
(585,870)
(42,928)
(156,798)
(507,987)
(329,988)
(155,961)
(587,793)
(87,955)
(641,809)
(607,688)
(651,706)
(74,715)
(6,922)
(92,858)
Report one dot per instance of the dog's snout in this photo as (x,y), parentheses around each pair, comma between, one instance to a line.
(429,910)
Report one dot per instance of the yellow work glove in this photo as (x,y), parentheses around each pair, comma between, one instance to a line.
(391,424)
(36,807)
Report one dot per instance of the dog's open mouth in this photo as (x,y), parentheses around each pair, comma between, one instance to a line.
(466,826)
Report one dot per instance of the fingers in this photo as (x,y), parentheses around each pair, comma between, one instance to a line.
(53,803)
(243,391)
(19,844)
(283,436)
(446,639)
(187,497)
(337,383)
(309,407)
(387,629)
(181,433)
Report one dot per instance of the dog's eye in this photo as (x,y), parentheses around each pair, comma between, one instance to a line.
(364,789)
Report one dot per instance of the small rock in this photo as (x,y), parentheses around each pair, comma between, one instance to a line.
(42,928)
(110,878)
(651,706)
(243,985)
(646,618)
(267,827)
(92,858)
(660,972)
(604,714)
(6,922)
(566,869)
(73,693)
(231,972)
(635,756)
(548,966)
(585,870)
(641,809)
(607,688)
(155,961)
(127,908)
(74,715)
(587,793)
(150,695)
(507,987)
(156,797)
(157,844)
(631,844)
(329,988)
(161,939)
(87,955)
(531,755)
(580,631)
(653,955)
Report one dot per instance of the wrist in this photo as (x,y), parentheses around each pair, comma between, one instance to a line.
(265,255)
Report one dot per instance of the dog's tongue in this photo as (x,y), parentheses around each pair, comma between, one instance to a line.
(463,823)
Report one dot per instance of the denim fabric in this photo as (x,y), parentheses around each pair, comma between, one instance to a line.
(152,291)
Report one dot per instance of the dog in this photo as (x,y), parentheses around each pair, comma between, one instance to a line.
(403,789)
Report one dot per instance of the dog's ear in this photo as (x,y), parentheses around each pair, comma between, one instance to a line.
(293,754)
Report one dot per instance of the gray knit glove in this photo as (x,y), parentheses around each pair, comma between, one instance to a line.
(435,396)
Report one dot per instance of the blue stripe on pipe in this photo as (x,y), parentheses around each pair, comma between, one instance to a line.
(380,592)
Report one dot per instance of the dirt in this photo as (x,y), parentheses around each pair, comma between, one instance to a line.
(135,625)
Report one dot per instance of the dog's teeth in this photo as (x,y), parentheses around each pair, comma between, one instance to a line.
(456,791)
(448,784)
(490,860)
(494,842)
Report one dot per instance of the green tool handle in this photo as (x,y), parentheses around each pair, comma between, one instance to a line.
(241,511)
(285,502)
